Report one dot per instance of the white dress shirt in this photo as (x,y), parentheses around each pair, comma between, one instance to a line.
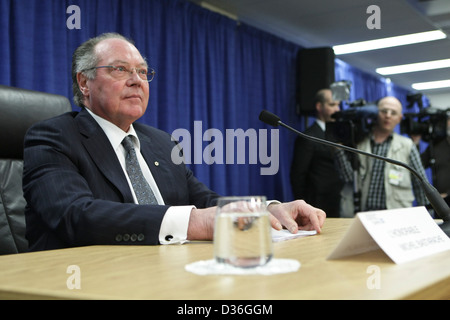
(175,222)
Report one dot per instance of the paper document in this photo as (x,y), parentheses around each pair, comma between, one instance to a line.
(283,234)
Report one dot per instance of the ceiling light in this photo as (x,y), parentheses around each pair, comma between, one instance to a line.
(413,67)
(389,42)
(431,85)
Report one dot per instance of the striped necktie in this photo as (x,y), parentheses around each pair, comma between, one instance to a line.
(143,191)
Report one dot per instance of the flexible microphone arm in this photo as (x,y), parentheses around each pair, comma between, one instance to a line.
(437,202)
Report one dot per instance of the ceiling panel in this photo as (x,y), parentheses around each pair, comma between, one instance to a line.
(330,22)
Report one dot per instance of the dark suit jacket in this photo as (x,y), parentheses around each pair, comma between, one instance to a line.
(314,177)
(77,193)
(439,151)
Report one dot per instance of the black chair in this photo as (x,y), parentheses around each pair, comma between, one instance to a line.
(19,109)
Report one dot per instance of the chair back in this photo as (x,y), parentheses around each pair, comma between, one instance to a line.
(19,109)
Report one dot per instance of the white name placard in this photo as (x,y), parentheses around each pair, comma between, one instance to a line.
(403,234)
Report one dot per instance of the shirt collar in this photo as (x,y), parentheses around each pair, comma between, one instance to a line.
(389,138)
(321,124)
(114,133)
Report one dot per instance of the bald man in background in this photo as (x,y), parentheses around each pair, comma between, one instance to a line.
(384,185)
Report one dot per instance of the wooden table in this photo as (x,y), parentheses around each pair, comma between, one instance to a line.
(157,272)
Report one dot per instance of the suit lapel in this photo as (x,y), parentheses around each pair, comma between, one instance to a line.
(99,148)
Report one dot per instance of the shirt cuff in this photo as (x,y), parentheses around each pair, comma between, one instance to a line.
(175,224)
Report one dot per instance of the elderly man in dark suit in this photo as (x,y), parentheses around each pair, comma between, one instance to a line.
(80,168)
(314,176)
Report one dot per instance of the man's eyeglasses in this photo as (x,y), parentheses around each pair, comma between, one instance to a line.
(122,72)
(386,111)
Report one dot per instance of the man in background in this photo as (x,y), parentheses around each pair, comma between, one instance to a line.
(314,176)
(384,185)
(437,157)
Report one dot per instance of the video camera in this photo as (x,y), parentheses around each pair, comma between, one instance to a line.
(352,124)
(430,123)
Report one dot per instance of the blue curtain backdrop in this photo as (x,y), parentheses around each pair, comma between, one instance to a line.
(209,69)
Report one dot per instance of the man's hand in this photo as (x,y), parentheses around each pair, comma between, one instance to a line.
(201,224)
(296,215)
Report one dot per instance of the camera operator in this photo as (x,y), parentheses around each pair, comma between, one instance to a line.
(314,176)
(384,185)
(437,157)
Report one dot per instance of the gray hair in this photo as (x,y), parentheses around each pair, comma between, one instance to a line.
(84,60)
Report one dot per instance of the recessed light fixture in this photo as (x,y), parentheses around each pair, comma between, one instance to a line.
(414,67)
(431,85)
(389,42)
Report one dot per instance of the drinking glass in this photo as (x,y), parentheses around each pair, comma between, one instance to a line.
(242,233)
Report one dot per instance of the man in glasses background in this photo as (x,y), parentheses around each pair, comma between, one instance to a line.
(98,177)
(384,185)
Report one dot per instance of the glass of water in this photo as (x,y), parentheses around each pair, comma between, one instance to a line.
(242,232)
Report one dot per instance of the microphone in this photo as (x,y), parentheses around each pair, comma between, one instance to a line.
(437,202)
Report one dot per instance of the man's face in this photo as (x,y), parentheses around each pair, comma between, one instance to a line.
(120,101)
(325,110)
(389,114)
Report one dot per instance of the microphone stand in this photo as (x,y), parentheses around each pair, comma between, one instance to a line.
(437,202)
(355,166)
